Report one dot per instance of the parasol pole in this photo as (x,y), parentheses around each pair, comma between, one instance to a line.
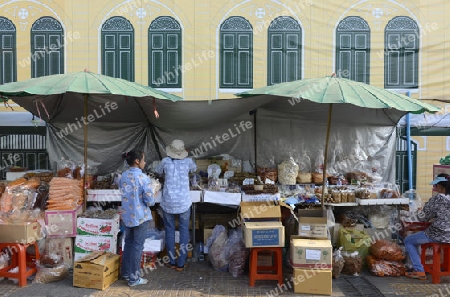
(85,151)
(325,153)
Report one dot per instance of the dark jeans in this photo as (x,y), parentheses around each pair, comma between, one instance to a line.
(132,251)
(169,224)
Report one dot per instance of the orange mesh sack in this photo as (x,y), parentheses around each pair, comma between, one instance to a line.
(386,250)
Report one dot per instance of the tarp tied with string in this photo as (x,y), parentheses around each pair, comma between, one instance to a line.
(102,114)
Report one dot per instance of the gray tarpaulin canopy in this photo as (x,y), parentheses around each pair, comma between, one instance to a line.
(281,128)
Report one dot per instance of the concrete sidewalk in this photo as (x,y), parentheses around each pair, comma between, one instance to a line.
(199,279)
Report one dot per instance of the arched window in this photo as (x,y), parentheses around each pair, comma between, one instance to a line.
(285,50)
(401,59)
(118,48)
(353,49)
(47,47)
(164,53)
(8,69)
(236,53)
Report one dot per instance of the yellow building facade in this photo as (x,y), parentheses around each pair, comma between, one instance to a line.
(198,37)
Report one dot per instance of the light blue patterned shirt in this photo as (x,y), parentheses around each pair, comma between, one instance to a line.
(137,196)
(176,198)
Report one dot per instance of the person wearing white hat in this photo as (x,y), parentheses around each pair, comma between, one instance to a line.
(176,200)
(435,210)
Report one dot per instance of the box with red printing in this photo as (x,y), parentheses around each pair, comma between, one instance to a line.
(62,222)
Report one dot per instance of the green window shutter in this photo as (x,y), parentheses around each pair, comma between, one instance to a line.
(47,51)
(125,71)
(164,52)
(401,53)
(8,67)
(284,50)
(118,48)
(8,71)
(353,49)
(228,69)
(236,53)
(393,71)
(158,69)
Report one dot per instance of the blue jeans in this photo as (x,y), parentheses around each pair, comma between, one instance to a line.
(169,224)
(412,242)
(132,251)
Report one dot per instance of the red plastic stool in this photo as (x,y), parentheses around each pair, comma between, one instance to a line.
(437,269)
(273,272)
(19,258)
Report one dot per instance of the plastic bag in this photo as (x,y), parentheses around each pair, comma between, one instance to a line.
(218,254)
(338,263)
(352,263)
(319,162)
(287,172)
(385,268)
(353,240)
(53,253)
(386,250)
(46,275)
(237,253)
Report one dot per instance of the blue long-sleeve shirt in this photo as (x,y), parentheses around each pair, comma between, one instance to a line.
(137,196)
(176,198)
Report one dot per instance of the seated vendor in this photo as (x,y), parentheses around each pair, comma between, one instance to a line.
(437,211)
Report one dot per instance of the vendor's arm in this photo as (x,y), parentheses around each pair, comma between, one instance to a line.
(192,166)
(160,168)
(147,194)
(430,209)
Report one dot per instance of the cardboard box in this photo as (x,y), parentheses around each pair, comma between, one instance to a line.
(97,270)
(98,227)
(62,222)
(313,281)
(26,233)
(313,227)
(150,245)
(312,212)
(207,233)
(86,243)
(260,234)
(311,253)
(260,210)
(261,224)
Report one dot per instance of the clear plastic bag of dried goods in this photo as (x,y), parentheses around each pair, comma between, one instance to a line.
(237,253)
(338,263)
(352,263)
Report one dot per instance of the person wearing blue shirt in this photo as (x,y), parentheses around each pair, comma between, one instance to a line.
(137,197)
(176,200)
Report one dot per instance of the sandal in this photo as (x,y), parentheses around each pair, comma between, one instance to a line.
(416,275)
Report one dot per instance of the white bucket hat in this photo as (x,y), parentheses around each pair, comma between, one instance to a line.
(176,150)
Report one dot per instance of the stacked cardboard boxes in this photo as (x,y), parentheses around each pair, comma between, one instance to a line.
(97,270)
(261,224)
(311,254)
(96,234)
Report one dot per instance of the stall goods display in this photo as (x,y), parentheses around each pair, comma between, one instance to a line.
(267,189)
(45,176)
(304,178)
(65,194)
(269,173)
(287,172)
(18,198)
(385,268)
(240,177)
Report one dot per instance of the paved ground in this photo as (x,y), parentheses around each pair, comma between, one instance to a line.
(200,280)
